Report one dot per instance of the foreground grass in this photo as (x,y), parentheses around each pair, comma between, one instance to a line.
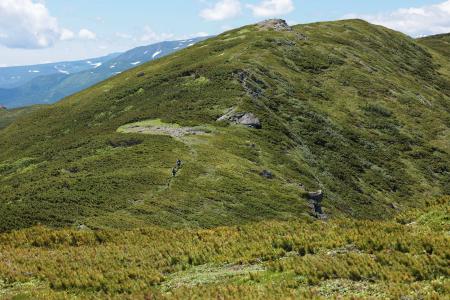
(408,256)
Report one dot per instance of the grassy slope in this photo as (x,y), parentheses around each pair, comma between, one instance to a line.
(439,43)
(439,46)
(404,258)
(9,116)
(355,109)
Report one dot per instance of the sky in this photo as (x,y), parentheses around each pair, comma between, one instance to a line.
(40,31)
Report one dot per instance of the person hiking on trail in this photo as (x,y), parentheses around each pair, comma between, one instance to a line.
(178,163)
(174,172)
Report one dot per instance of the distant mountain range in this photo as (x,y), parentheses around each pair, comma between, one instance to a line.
(13,77)
(48,83)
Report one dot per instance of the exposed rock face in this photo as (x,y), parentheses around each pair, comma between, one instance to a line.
(316,196)
(82,227)
(275,24)
(302,37)
(315,199)
(249,120)
(2,107)
(251,84)
(394,206)
(267,174)
(243,118)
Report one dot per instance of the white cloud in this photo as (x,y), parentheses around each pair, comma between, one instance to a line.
(66,34)
(272,8)
(27,24)
(99,20)
(415,21)
(150,36)
(124,35)
(222,10)
(86,34)
(200,34)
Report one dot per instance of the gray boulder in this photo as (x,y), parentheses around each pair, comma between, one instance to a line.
(243,118)
(316,196)
(249,120)
(275,24)
(267,174)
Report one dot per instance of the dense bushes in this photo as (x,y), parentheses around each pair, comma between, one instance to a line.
(385,259)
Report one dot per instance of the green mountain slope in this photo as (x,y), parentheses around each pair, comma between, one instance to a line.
(439,46)
(439,43)
(357,110)
(8,116)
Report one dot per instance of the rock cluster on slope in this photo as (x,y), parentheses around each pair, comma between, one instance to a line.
(243,118)
(275,24)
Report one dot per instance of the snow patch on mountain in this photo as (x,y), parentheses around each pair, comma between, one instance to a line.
(61,71)
(95,65)
(156,53)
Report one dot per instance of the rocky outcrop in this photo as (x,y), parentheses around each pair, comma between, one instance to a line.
(243,118)
(275,24)
(249,120)
(267,174)
(251,84)
(316,196)
(315,199)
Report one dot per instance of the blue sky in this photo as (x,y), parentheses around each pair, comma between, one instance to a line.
(37,31)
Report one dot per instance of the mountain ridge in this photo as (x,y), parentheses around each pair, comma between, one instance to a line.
(304,162)
(357,110)
(14,76)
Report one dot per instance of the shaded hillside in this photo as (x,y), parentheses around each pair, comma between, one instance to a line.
(357,110)
(439,43)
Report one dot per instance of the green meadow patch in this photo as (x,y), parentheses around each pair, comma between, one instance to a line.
(157,127)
